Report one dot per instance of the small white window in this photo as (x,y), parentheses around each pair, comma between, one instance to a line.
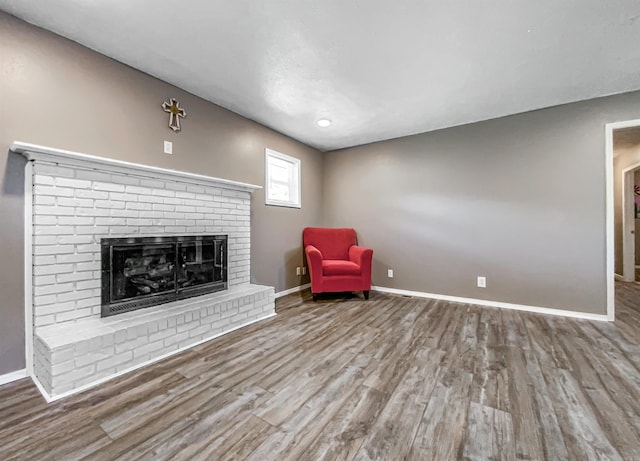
(282,179)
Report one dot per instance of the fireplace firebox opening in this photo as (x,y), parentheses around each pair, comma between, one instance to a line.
(140,272)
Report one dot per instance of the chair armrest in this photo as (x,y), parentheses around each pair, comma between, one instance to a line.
(361,256)
(314,261)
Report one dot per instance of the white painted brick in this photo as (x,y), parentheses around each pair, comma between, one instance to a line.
(73,183)
(195,230)
(108,186)
(75,295)
(112,362)
(92,212)
(76,220)
(110,221)
(124,213)
(88,266)
(109,204)
(120,196)
(44,320)
(200,331)
(89,302)
(126,180)
(196,189)
(74,258)
(44,200)
(162,334)
(150,199)
(46,239)
(45,220)
(52,210)
(145,350)
(139,222)
(152,183)
(44,280)
(177,186)
(93,175)
(163,193)
(91,230)
(72,315)
(90,248)
(52,289)
(41,179)
(53,191)
(137,190)
(123,231)
(189,195)
(173,201)
(176,339)
(141,206)
(75,202)
(163,207)
(39,270)
(62,354)
(88,284)
(94,194)
(79,373)
(151,214)
(61,368)
(55,308)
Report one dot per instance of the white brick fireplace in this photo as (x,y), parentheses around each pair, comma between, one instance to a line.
(72,201)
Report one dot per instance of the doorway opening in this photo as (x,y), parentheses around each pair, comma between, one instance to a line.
(622,163)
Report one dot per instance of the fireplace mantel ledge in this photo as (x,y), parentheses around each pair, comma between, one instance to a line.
(64,157)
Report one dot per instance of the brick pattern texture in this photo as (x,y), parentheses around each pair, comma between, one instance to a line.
(73,207)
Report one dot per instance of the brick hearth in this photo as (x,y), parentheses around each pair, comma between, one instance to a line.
(77,200)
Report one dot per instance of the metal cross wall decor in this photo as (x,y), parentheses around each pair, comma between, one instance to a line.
(175,112)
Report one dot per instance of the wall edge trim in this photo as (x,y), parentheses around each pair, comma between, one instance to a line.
(13,376)
(499,304)
(282,293)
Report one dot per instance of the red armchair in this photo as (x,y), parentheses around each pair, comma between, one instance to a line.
(336,263)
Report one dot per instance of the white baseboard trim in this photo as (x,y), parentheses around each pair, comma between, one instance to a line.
(13,376)
(52,398)
(280,294)
(619,277)
(484,302)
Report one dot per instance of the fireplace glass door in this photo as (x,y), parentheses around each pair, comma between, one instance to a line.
(146,271)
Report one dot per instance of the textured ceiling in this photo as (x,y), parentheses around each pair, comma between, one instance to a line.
(378,69)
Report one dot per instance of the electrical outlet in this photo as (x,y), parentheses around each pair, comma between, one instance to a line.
(168,147)
(304,270)
(297,270)
(482,282)
(390,273)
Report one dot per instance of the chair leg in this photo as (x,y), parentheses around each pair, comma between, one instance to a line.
(314,296)
(366,294)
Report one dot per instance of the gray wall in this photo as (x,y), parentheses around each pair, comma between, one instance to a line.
(520,200)
(59,94)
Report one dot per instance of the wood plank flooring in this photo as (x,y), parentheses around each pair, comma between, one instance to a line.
(392,378)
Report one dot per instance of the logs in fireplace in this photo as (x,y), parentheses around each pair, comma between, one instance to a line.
(141,272)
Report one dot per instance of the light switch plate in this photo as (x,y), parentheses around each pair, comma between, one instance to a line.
(168,147)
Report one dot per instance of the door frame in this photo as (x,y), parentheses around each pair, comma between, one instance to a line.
(609,128)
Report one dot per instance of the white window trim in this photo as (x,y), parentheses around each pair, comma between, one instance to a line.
(296,202)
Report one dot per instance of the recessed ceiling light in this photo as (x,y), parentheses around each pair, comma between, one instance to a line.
(324,122)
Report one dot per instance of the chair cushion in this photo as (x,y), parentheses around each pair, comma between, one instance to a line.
(339,267)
